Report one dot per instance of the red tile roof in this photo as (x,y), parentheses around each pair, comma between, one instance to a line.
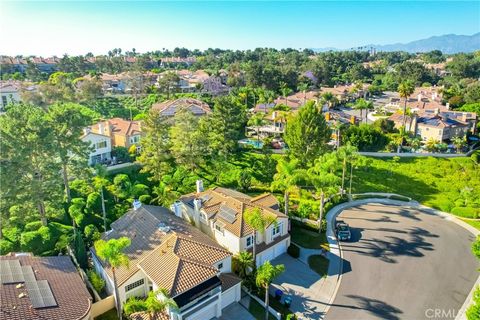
(73,299)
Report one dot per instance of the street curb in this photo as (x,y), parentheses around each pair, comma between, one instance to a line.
(332,241)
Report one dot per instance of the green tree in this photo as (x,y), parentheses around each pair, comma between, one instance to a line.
(155,157)
(365,138)
(189,143)
(288,175)
(29,173)
(100,182)
(111,252)
(67,122)
(362,104)
(242,262)
(159,301)
(257,120)
(226,125)
(307,134)
(266,273)
(459,143)
(405,89)
(258,221)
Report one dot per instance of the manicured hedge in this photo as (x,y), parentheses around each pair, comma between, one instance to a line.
(294,250)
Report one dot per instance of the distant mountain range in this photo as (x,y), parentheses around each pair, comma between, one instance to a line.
(449,43)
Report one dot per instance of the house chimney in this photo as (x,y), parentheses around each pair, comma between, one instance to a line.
(448,106)
(86,130)
(464,117)
(274,115)
(136,204)
(199,184)
(176,207)
(436,111)
(419,97)
(101,129)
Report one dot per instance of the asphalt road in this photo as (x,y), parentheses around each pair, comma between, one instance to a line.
(403,264)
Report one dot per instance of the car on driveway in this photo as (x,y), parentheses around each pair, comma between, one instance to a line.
(342,230)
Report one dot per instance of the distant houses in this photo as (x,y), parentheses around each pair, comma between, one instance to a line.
(171,107)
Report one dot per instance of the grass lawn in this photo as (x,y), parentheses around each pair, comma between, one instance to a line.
(307,237)
(450,185)
(109,315)
(319,264)
(473,223)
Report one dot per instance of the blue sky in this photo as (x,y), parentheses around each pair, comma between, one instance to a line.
(48,28)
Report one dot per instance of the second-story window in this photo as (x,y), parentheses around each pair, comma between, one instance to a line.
(219,228)
(102,144)
(276,230)
(249,241)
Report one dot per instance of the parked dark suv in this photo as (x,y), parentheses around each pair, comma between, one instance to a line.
(342,231)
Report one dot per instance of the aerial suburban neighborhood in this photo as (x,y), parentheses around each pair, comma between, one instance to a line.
(239,160)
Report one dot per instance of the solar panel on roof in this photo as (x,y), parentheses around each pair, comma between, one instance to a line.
(227,214)
(11,271)
(40,294)
(28,274)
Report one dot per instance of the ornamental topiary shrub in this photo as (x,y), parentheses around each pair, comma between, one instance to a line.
(294,250)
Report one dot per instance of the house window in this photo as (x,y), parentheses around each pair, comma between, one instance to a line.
(249,241)
(203,218)
(276,230)
(220,266)
(4,100)
(102,144)
(134,285)
(219,228)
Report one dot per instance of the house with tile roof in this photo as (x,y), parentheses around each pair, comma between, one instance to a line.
(167,252)
(37,288)
(436,124)
(100,146)
(9,93)
(171,107)
(219,213)
(123,133)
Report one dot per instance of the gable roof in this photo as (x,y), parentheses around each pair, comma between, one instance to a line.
(218,199)
(72,297)
(176,260)
(118,126)
(170,107)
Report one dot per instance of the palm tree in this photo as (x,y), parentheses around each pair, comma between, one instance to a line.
(459,143)
(432,145)
(111,252)
(362,104)
(100,182)
(302,87)
(286,91)
(346,154)
(159,301)
(266,273)
(405,89)
(258,222)
(257,120)
(287,176)
(243,261)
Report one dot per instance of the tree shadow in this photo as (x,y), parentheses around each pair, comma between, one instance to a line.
(373,179)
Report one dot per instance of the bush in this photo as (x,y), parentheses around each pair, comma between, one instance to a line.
(145,199)
(294,250)
(134,305)
(33,226)
(6,247)
(466,212)
(97,282)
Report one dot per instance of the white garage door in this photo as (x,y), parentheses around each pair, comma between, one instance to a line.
(267,255)
(206,313)
(280,248)
(228,296)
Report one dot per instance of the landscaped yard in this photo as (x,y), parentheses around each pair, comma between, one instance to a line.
(307,237)
(258,311)
(473,223)
(319,264)
(451,185)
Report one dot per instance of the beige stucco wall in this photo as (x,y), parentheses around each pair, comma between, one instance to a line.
(102,306)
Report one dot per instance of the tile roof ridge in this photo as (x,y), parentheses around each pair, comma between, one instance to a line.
(261,196)
(196,262)
(160,246)
(202,244)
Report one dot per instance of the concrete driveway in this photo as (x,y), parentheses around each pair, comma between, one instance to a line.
(236,311)
(403,264)
(304,286)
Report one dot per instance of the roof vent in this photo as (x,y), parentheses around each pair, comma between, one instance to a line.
(136,204)
(163,227)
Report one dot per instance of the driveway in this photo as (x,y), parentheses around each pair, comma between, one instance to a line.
(403,264)
(236,311)
(304,286)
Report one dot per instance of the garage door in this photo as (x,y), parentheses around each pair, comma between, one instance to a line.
(206,313)
(280,248)
(267,255)
(228,296)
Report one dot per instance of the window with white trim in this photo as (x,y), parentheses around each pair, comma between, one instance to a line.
(249,241)
(276,230)
(134,285)
(203,217)
(219,228)
(220,266)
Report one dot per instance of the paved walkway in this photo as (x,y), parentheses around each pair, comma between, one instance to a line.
(236,311)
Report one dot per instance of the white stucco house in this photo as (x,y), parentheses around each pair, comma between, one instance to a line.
(219,212)
(167,252)
(101,147)
(8,94)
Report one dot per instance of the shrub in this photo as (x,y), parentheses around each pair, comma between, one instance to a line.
(33,226)
(97,282)
(294,250)
(466,212)
(6,247)
(145,199)
(133,305)
(473,312)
